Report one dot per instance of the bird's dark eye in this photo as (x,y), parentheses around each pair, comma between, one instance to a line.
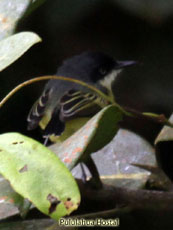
(102,71)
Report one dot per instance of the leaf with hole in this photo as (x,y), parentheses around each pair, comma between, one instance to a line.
(37,174)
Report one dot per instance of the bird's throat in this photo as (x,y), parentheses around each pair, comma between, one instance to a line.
(108,80)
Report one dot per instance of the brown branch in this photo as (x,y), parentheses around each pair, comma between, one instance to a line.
(136,199)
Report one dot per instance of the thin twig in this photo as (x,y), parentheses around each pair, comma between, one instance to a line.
(158,118)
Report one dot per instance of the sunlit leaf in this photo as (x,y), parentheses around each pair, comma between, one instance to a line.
(15,46)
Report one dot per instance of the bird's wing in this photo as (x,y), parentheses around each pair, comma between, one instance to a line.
(38,109)
(71,105)
(77,103)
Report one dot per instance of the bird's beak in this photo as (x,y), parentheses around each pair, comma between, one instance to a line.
(122,64)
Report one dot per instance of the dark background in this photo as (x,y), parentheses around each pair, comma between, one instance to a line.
(127,30)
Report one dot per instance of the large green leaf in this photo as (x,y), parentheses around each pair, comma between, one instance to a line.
(15,46)
(38,175)
(95,134)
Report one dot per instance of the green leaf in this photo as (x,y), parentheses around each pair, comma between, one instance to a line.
(15,46)
(94,135)
(38,175)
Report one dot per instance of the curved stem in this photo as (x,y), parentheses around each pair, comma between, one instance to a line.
(43,78)
(158,118)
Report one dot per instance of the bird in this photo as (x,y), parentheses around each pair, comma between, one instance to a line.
(62,101)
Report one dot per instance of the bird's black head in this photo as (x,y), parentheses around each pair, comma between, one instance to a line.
(91,66)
